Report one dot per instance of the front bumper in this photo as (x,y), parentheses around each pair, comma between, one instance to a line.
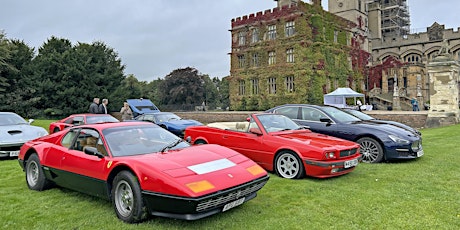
(412,151)
(325,169)
(187,208)
(10,150)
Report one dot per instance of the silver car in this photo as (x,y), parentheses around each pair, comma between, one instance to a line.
(14,132)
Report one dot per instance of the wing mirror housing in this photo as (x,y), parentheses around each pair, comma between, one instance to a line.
(93,152)
(255,131)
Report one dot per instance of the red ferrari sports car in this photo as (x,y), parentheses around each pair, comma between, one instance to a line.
(80,119)
(278,144)
(143,169)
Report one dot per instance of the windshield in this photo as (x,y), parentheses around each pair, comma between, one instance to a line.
(100,119)
(340,115)
(137,140)
(11,119)
(277,122)
(360,115)
(163,117)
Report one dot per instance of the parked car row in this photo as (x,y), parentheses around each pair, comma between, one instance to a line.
(153,169)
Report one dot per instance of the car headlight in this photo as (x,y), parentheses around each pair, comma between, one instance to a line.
(398,139)
(330,155)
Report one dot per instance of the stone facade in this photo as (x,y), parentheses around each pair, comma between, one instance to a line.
(291,54)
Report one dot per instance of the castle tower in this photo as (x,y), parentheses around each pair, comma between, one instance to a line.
(354,11)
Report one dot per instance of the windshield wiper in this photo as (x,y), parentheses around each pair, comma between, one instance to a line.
(170,145)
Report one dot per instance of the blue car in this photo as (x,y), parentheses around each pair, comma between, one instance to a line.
(378,141)
(168,121)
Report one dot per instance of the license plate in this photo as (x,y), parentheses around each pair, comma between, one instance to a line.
(349,164)
(420,153)
(14,153)
(233,204)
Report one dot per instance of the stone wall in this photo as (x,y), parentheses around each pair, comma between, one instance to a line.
(413,119)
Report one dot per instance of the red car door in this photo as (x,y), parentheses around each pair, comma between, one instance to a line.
(84,172)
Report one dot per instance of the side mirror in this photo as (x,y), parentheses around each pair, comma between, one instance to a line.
(325,119)
(92,151)
(255,131)
(188,139)
(31,120)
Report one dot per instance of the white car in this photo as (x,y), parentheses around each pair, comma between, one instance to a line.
(14,132)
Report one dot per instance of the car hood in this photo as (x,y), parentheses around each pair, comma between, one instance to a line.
(20,133)
(220,166)
(316,140)
(386,128)
(181,124)
(398,124)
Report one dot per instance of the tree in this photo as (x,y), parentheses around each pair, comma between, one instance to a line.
(184,88)
(68,77)
(4,66)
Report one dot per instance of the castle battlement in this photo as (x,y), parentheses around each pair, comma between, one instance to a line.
(267,15)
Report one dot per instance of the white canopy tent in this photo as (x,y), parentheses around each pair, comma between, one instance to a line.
(338,98)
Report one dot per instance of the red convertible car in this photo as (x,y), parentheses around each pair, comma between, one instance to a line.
(278,144)
(81,119)
(143,169)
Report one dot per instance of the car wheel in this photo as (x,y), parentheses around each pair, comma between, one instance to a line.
(370,149)
(35,177)
(55,130)
(200,142)
(288,165)
(127,198)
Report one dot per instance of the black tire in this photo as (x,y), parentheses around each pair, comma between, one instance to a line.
(200,142)
(55,130)
(370,149)
(127,198)
(35,177)
(288,165)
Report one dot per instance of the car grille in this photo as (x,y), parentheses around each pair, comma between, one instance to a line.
(348,152)
(11,148)
(234,195)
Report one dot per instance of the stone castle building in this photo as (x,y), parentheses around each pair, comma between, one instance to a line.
(399,59)
(293,53)
(396,65)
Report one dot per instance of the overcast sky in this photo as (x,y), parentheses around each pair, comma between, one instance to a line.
(155,37)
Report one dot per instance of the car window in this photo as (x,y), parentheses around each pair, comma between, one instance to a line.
(143,139)
(89,138)
(340,115)
(100,119)
(11,119)
(290,111)
(69,120)
(312,114)
(68,138)
(277,122)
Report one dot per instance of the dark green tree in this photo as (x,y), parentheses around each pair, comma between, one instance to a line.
(184,88)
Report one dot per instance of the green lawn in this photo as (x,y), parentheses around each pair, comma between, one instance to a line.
(419,194)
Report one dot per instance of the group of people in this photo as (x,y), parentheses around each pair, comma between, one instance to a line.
(95,107)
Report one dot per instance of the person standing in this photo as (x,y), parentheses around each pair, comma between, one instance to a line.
(414,103)
(359,103)
(94,107)
(103,106)
(126,112)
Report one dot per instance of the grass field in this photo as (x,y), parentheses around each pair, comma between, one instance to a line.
(418,194)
